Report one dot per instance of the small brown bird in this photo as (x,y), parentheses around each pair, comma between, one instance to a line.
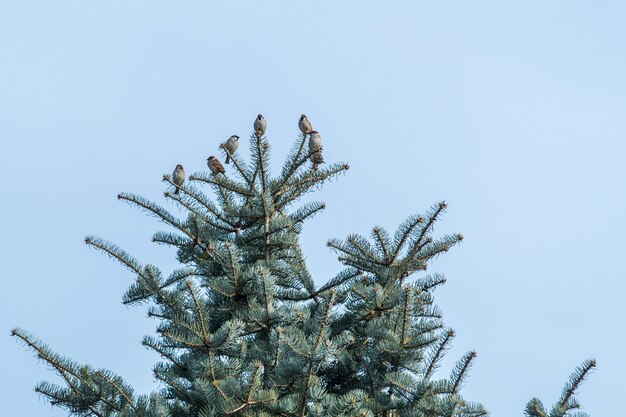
(178,177)
(317,158)
(215,165)
(304,125)
(259,126)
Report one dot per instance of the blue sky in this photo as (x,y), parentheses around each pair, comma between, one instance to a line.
(513,112)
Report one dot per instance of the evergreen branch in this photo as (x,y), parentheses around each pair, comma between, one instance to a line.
(225,197)
(341,278)
(577,377)
(420,252)
(266,227)
(180,341)
(199,313)
(55,398)
(339,246)
(119,391)
(67,402)
(155,209)
(535,408)
(414,257)
(115,252)
(318,339)
(173,385)
(429,282)
(44,353)
(215,383)
(256,169)
(192,251)
(407,291)
(435,248)
(382,240)
(296,349)
(404,232)
(238,166)
(302,184)
(362,246)
(286,295)
(189,208)
(279,332)
(178,275)
(481,412)
(161,316)
(324,322)
(172,239)
(295,166)
(292,165)
(233,268)
(431,220)
(421,341)
(266,298)
(180,320)
(403,382)
(239,408)
(437,355)
(222,291)
(202,199)
(222,182)
(253,377)
(63,369)
(358,264)
(146,285)
(460,370)
(260,147)
(433,314)
(148,342)
(307,211)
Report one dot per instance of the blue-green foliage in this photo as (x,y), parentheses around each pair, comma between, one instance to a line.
(567,404)
(244,331)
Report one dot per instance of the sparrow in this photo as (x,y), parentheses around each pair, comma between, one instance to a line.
(178,177)
(317,158)
(215,165)
(305,125)
(231,146)
(315,140)
(259,125)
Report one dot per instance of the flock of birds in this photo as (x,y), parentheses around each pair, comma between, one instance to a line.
(260,124)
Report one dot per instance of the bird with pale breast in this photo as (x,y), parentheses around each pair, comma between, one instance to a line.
(259,126)
(315,148)
(304,125)
(231,146)
(315,140)
(178,177)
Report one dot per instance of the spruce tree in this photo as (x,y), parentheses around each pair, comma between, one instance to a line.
(243,330)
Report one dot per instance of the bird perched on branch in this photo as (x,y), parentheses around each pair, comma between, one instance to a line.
(178,177)
(231,146)
(259,126)
(317,158)
(215,165)
(304,125)
(315,148)
(315,140)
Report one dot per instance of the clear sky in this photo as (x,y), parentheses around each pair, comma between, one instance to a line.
(513,112)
